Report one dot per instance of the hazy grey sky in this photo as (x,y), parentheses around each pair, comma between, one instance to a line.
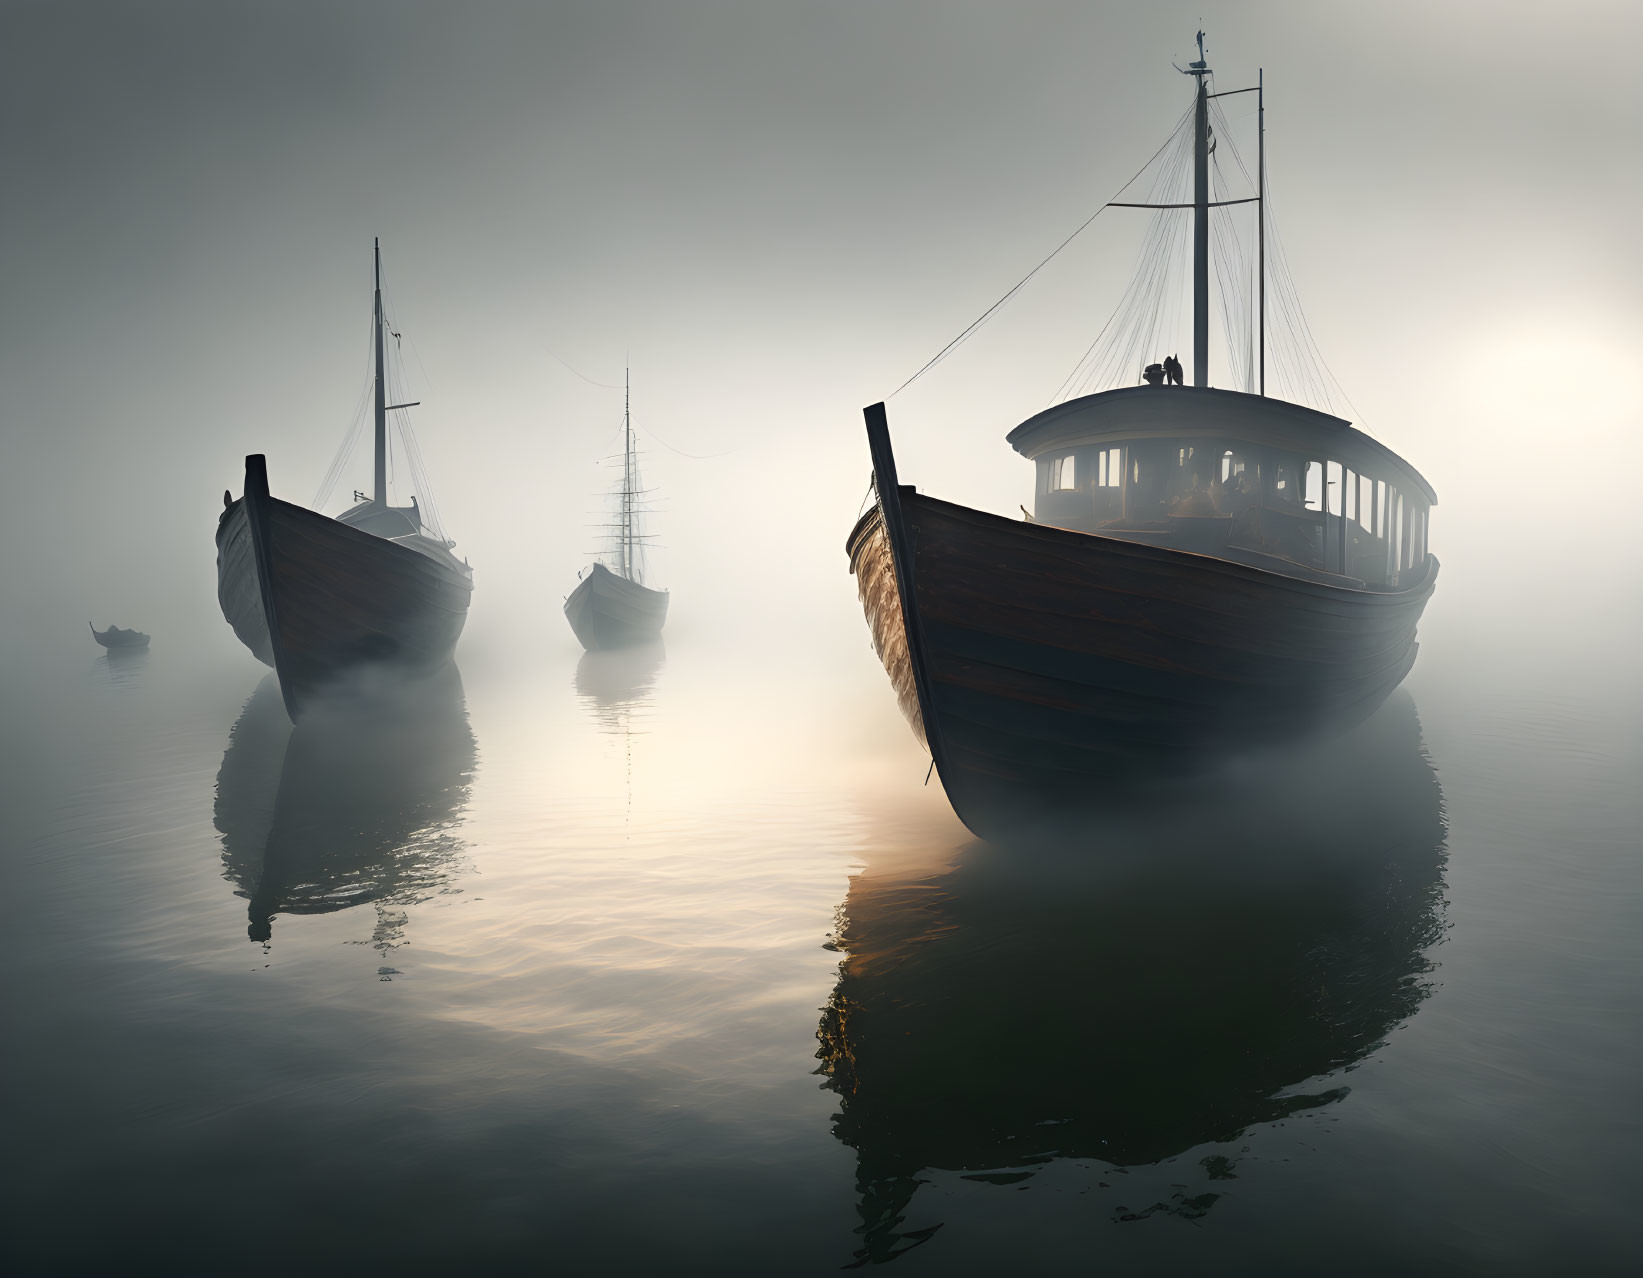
(779,211)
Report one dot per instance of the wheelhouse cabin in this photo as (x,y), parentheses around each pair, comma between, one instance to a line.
(1234,476)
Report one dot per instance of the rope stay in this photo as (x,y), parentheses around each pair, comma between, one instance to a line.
(396,391)
(991,310)
(350,438)
(1148,312)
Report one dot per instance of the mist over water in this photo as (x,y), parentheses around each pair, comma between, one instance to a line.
(671,959)
(586,952)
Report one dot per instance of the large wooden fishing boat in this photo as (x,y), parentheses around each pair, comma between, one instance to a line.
(612,607)
(322,599)
(1206,571)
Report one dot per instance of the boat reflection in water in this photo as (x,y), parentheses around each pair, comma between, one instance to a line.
(359,804)
(618,684)
(1160,978)
(121,665)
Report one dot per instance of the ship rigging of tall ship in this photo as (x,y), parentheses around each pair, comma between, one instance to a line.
(321,600)
(612,607)
(1207,571)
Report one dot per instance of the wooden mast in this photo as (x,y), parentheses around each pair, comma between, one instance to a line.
(379,488)
(1200,229)
(1260,209)
(627,474)
(1201,205)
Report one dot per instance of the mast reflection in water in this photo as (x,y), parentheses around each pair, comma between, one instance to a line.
(618,684)
(357,805)
(1161,978)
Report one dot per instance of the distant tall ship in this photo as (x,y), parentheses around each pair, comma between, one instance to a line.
(612,607)
(1207,571)
(321,599)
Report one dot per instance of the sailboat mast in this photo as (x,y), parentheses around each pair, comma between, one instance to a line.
(379,476)
(1260,210)
(1200,227)
(627,474)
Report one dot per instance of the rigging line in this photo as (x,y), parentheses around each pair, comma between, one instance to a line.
(1317,350)
(1249,324)
(651,434)
(1148,304)
(1305,348)
(693,456)
(1225,133)
(1156,299)
(1228,274)
(1116,311)
(572,368)
(987,314)
(397,382)
(351,434)
(1143,313)
(1229,271)
(400,377)
(1092,366)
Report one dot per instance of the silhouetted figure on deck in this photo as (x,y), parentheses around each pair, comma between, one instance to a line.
(1153,374)
(1173,371)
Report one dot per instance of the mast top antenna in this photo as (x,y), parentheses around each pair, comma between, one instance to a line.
(1200,67)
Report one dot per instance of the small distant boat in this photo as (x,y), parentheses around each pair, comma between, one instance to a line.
(613,608)
(319,598)
(117,640)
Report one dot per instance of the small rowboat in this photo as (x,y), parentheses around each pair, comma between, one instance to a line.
(117,640)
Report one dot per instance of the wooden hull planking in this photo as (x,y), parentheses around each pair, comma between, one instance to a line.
(609,611)
(1040,665)
(318,600)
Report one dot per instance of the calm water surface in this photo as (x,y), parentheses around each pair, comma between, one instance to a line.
(669,964)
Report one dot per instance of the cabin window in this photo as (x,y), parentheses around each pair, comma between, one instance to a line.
(1286,483)
(1063,474)
(1394,530)
(1315,487)
(1109,468)
(1190,488)
(1365,505)
(1115,462)
(1230,465)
